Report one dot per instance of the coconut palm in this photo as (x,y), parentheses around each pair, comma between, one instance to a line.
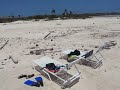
(53,12)
(65,12)
(19,16)
(70,13)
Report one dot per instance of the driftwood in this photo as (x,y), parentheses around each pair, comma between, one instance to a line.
(38,52)
(15,61)
(1,67)
(47,35)
(4,44)
(48,49)
(109,44)
(53,51)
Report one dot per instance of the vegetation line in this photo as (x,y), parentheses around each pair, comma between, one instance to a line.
(53,16)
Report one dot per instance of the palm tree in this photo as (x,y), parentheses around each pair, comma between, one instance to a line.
(19,16)
(70,13)
(53,12)
(65,12)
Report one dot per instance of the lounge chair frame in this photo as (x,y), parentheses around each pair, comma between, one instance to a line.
(62,77)
(97,55)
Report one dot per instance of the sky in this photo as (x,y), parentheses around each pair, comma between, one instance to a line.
(36,7)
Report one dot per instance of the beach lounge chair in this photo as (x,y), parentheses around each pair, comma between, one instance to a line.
(62,77)
(89,58)
(94,60)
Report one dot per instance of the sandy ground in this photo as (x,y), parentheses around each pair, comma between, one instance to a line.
(25,36)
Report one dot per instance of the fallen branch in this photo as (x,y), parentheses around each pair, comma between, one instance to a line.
(1,67)
(48,49)
(10,57)
(38,52)
(53,51)
(47,35)
(4,44)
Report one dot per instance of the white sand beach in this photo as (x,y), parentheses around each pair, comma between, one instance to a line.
(25,36)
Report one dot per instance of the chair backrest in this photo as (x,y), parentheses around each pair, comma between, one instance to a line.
(88,54)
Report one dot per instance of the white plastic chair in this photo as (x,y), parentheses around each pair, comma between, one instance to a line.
(62,77)
(90,58)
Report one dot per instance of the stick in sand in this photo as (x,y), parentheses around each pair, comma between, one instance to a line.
(4,44)
(47,35)
(10,57)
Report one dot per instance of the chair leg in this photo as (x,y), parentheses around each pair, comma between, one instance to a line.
(80,63)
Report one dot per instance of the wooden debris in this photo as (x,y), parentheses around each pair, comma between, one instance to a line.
(2,63)
(112,43)
(1,67)
(4,45)
(38,52)
(48,49)
(109,44)
(15,61)
(53,51)
(47,35)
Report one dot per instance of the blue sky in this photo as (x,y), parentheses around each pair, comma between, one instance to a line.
(35,7)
